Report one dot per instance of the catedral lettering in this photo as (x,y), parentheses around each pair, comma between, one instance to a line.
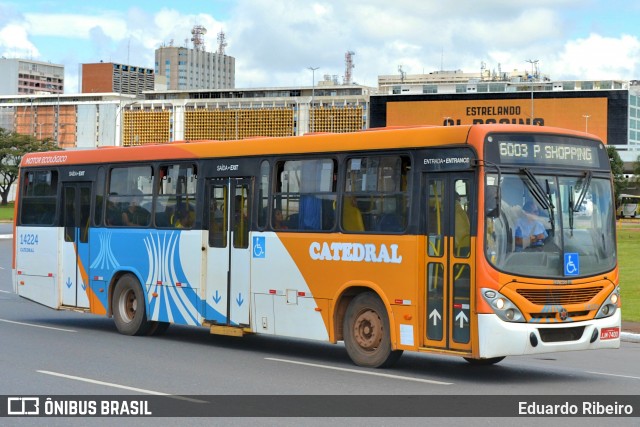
(355,252)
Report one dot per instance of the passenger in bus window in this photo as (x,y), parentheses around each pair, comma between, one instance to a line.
(529,229)
(185,218)
(114,216)
(278,222)
(135,214)
(351,214)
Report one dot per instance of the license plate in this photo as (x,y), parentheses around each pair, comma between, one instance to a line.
(609,333)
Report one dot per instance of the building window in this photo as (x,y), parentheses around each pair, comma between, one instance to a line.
(430,89)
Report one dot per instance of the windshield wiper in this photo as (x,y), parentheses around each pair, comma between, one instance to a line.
(571,209)
(583,191)
(542,197)
(551,207)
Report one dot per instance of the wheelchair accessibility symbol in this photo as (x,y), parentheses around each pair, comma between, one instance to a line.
(259,247)
(571,264)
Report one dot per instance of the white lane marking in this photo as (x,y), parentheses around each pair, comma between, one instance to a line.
(5,292)
(356,371)
(614,375)
(37,326)
(124,387)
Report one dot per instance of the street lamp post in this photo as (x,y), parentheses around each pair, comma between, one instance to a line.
(586,122)
(313,89)
(534,63)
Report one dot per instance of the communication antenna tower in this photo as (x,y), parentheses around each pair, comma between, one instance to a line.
(403,74)
(348,66)
(222,43)
(197,32)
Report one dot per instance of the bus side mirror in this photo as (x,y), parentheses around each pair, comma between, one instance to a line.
(492,201)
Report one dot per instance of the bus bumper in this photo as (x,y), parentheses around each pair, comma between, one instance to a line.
(499,338)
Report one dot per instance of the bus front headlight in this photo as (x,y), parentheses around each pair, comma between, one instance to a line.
(502,306)
(610,305)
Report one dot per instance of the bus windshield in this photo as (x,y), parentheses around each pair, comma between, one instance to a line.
(546,220)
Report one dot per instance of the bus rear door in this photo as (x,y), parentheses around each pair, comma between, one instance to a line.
(448,208)
(228,257)
(76,199)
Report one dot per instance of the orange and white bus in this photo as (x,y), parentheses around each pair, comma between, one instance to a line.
(413,239)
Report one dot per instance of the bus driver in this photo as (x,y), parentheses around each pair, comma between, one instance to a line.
(529,230)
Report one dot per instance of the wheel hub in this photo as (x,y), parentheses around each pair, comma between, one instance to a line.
(130,305)
(368,330)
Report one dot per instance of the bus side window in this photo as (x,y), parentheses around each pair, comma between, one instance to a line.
(175,203)
(39,200)
(305,192)
(130,195)
(375,194)
(462,223)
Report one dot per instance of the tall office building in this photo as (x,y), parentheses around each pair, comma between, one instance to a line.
(182,68)
(27,77)
(107,77)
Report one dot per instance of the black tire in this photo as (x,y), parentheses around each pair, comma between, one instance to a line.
(158,328)
(366,333)
(128,306)
(484,362)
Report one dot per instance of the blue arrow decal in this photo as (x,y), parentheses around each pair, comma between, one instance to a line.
(84,287)
(69,284)
(239,300)
(217,297)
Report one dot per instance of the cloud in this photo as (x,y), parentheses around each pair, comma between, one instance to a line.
(14,42)
(598,57)
(422,36)
(275,41)
(75,25)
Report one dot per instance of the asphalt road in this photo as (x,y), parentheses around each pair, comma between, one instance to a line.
(48,352)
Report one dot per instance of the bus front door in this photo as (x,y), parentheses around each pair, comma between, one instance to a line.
(228,256)
(449,206)
(76,202)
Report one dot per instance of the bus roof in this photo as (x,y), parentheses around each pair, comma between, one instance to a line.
(408,137)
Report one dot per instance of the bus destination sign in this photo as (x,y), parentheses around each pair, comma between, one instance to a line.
(548,153)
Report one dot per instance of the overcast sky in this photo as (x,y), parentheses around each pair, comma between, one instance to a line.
(276,41)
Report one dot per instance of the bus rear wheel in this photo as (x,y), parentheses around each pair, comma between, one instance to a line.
(129,307)
(366,333)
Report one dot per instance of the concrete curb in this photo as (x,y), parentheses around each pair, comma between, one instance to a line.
(630,337)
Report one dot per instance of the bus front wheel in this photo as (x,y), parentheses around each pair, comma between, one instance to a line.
(366,332)
(129,307)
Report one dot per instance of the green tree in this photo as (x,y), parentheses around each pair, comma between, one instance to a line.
(636,170)
(12,147)
(620,183)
